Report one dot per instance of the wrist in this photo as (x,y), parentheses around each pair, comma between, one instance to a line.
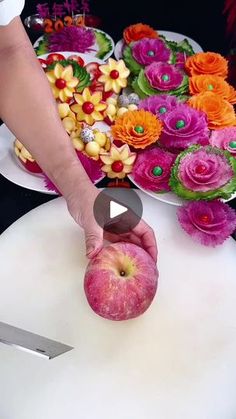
(69,175)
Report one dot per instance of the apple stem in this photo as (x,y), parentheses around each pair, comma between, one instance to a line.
(122,273)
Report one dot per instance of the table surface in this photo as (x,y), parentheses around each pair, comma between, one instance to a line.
(176,361)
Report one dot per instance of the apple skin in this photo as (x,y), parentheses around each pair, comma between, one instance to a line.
(121,281)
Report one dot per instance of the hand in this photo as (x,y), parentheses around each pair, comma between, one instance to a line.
(81,209)
(142,235)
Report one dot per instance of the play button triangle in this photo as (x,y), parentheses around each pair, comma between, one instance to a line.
(116,209)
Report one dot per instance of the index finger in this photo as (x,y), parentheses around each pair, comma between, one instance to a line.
(148,239)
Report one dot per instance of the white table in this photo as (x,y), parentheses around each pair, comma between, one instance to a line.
(177,361)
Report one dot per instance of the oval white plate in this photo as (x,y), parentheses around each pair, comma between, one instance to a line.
(12,170)
(169,197)
(170,36)
(94,47)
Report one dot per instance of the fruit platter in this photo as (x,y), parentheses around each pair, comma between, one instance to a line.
(161,118)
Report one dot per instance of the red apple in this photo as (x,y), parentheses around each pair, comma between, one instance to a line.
(121,281)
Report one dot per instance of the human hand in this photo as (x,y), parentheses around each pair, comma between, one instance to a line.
(80,207)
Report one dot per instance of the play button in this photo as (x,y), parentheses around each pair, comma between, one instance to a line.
(118,210)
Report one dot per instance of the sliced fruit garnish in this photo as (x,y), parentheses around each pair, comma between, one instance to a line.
(104,44)
(77,59)
(54,57)
(93,70)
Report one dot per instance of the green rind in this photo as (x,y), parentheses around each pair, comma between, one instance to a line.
(78,71)
(42,47)
(104,44)
(183,46)
(224,192)
(130,62)
(137,89)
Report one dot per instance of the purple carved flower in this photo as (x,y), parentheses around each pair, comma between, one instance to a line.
(148,50)
(209,223)
(72,38)
(159,105)
(224,138)
(164,76)
(204,171)
(184,126)
(152,168)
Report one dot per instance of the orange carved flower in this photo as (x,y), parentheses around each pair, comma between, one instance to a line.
(137,128)
(207,63)
(138,31)
(220,113)
(210,83)
(232,95)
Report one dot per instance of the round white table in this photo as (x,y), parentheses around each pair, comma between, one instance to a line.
(176,361)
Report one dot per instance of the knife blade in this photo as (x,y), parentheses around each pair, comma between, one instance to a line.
(31,342)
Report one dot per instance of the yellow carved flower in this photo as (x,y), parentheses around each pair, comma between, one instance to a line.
(114,75)
(62,81)
(89,106)
(118,162)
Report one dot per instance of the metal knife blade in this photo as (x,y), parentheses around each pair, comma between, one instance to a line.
(30,342)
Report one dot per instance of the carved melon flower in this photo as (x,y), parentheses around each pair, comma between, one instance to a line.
(62,82)
(209,223)
(114,75)
(89,106)
(137,128)
(118,162)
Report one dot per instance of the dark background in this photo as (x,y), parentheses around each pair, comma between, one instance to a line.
(201,20)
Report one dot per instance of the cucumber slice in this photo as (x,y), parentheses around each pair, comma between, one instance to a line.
(137,89)
(42,47)
(104,44)
(130,62)
(78,71)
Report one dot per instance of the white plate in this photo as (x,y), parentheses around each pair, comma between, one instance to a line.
(95,46)
(169,197)
(170,36)
(12,170)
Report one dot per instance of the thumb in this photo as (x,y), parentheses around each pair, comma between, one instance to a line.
(93,240)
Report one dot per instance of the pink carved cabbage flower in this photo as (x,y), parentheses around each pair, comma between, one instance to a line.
(159,105)
(184,126)
(208,222)
(224,138)
(152,169)
(204,173)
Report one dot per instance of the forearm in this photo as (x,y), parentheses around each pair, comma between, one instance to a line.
(29,110)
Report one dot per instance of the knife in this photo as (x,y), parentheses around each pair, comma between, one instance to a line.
(30,342)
